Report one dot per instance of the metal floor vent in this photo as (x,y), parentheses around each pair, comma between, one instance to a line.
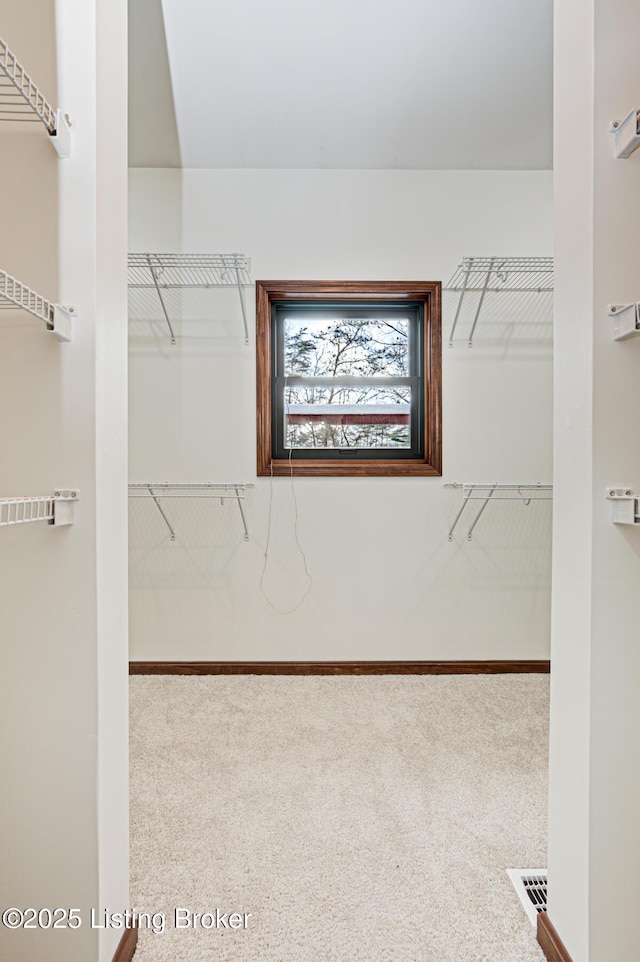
(531,886)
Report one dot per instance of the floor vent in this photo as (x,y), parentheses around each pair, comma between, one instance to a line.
(531,886)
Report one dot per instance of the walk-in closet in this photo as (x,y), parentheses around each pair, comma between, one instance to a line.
(319,481)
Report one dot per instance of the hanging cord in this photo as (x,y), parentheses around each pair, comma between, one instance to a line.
(287,611)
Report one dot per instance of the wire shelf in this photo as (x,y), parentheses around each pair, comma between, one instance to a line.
(16,295)
(506,273)
(22,101)
(20,97)
(222,490)
(25,510)
(160,275)
(495,491)
(56,509)
(498,275)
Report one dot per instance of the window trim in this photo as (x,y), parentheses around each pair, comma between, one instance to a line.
(428,294)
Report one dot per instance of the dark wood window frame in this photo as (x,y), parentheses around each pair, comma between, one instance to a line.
(425,293)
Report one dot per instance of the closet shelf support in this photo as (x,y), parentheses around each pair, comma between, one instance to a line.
(626,134)
(626,320)
(56,509)
(22,101)
(172,533)
(14,294)
(625,508)
(243,307)
(154,275)
(467,271)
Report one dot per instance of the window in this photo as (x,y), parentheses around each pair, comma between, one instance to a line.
(349,378)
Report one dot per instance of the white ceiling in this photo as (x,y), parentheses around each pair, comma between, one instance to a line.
(437,84)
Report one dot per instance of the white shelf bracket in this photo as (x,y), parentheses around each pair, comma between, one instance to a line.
(479,307)
(626,320)
(467,271)
(154,274)
(61,137)
(60,325)
(240,496)
(467,496)
(626,134)
(242,304)
(624,505)
(64,502)
(156,499)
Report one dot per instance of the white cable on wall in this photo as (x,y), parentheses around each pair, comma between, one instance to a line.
(285,611)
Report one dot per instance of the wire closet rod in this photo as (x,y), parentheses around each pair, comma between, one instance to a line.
(221,490)
(496,491)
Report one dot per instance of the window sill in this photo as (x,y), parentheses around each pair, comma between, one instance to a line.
(340,468)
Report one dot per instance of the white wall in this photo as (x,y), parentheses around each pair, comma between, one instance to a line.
(595,770)
(64,748)
(111,399)
(386,582)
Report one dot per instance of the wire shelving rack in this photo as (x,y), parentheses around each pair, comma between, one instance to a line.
(222,490)
(495,491)
(16,295)
(56,509)
(497,275)
(154,278)
(22,101)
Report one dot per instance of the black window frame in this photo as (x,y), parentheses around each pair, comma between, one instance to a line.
(414,310)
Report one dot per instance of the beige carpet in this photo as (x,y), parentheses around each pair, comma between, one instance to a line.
(358,819)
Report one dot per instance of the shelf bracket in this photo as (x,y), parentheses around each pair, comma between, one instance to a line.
(162,303)
(156,499)
(480,302)
(478,515)
(239,496)
(465,498)
(460,300)
(626,320)
(64,502)
(61,136)
(60,325)
(468,491)
(626,134)
(242,305)
(624,505)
